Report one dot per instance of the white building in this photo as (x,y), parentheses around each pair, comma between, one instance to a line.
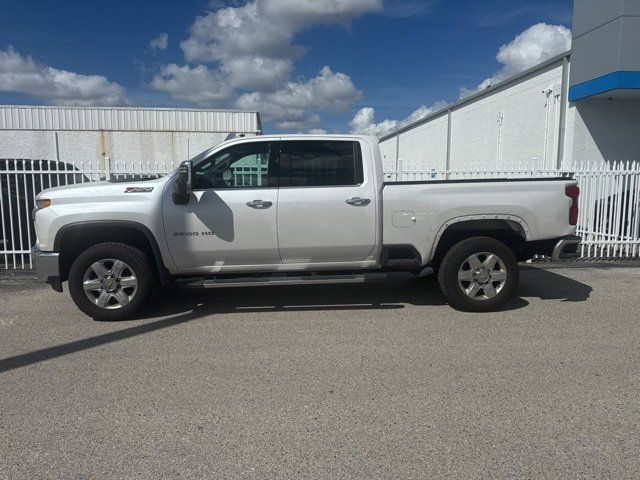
(526,120)
(138,136)
(582,106)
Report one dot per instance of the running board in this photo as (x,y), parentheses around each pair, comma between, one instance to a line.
(278,279)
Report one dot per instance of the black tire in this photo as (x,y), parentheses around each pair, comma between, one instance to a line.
(141,268)
(456,260)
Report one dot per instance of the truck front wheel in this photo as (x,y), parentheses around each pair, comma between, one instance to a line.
(111,281)
(478,274)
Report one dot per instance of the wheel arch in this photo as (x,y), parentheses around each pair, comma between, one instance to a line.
(74,238)
(511,230)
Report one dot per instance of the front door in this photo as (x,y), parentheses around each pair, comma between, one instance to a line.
(327,203)
(230,220)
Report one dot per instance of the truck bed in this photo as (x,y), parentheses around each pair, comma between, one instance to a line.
(417,212)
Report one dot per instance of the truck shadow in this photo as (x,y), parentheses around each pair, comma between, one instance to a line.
(376,295)
(547,285)
(179,307)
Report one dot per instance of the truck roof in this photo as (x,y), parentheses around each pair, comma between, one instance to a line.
(298,136)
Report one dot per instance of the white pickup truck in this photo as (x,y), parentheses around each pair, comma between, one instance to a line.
(291,209)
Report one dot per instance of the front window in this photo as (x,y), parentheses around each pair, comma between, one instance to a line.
(246,165)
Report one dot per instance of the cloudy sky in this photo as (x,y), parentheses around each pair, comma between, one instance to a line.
(366,66)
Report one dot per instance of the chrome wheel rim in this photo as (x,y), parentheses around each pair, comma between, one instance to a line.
(110,283)
(482,276)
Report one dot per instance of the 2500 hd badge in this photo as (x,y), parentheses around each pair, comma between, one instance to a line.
(193,234)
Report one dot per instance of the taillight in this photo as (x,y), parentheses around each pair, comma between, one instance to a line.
(573,192)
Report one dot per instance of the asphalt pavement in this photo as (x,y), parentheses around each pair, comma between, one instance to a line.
(381,380)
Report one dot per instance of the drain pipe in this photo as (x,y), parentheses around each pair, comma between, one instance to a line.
(547,92)
(563,111)
(498,159)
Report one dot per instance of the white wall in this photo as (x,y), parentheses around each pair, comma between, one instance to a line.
(518,125)
(510,126)
(388,152)
(515,125)
(425,147)
(132,147)
(601,130)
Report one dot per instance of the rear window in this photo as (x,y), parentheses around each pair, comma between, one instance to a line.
(314,163)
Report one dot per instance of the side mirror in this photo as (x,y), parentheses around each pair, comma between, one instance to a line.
(182,187)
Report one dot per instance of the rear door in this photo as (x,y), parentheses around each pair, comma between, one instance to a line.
(326,203)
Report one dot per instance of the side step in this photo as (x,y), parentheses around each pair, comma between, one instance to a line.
(278,279)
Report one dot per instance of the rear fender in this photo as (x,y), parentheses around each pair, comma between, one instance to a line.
(517,224)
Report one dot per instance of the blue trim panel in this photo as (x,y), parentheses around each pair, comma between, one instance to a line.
(605,83)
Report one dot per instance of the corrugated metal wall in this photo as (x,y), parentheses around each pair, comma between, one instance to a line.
(138,137)
(127,119)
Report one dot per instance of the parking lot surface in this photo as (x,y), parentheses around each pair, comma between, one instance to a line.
(381,380)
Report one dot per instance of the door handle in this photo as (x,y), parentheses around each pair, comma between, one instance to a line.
(358,202)
(259,204)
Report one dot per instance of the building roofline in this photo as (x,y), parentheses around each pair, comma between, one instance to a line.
(471,98)
(130,119)
(155,109)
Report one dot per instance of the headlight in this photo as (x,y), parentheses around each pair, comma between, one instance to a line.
(42,203)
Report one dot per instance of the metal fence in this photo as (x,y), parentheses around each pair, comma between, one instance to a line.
(22,179)
(609,219)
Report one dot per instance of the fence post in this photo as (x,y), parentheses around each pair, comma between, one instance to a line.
(107,167)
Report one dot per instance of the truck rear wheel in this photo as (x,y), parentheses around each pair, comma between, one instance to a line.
(478,274)
(111,281)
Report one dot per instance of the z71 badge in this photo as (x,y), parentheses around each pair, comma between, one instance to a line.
(138,189)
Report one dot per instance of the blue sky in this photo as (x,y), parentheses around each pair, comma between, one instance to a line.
(393,56)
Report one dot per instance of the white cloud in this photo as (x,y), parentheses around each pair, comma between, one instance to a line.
(236,31)
(294,106)
(316,131)
(195,85)
(247,53)
(528,49)
(254,43)
(299,14)
(364,123)
(257,73)
(161,42)
(364,120)
(23,74)
(265,27)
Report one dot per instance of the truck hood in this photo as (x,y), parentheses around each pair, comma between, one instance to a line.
(91,190)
